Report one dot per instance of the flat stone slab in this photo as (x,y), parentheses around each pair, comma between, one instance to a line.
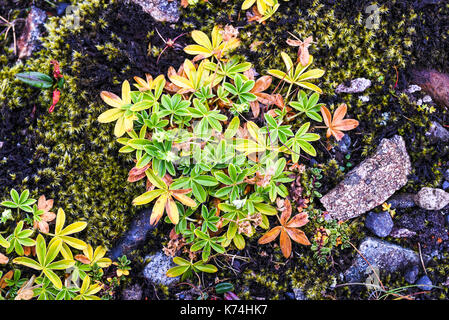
(371,183)
(384,256)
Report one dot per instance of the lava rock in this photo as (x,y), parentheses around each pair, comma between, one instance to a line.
(380,224)
(437,132)
(356,86)
(380,254)
(132,293)
(29,40)
(432,198)
(371,183)
(156,270)
(135,236)
(425,283)
(402,201)
(411,274)
(160,10)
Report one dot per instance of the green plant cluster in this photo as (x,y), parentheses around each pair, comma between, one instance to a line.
(189,159)
(28,239)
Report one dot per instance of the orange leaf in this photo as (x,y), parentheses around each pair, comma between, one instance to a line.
(3,259)
(287,212)
(298,236)
(82,258)
(270,235)
(298,221)
(337,124)
(286,244)
(172,210)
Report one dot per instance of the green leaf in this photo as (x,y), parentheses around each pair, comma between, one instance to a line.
(36,79)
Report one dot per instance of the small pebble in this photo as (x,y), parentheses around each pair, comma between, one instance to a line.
(380,223)
(425,283)
(411,274)
(445,185)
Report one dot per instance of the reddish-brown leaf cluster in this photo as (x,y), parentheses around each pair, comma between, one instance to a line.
(288,230)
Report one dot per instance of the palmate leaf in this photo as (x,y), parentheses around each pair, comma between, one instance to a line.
(62,235)
(124,122)
(206,48)
(337,124)
(164,197)
(298,75)
(301,142)
(45,257)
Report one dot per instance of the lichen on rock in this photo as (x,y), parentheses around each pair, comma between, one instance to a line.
(372,182)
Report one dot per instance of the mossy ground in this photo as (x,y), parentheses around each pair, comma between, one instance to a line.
(68,156)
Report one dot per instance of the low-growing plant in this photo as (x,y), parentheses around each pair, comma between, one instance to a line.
(29,236)
(188,147)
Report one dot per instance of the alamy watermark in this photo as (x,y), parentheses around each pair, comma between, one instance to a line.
(373,20)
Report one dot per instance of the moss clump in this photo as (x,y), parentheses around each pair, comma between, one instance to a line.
(74,160)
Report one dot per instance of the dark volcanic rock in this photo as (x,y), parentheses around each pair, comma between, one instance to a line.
(402,233)
(29,40)
(402,201)
(372,182)
(136,234)
(383,255)
(380,223)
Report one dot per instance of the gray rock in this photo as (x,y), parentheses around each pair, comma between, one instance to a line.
(402,201)
(356,86)
(432,198)
(427,99)
(425,283)
(380,223)
(160,10)
(411,274)
(437,132)
(402,233)
(136,234)
(132,293)
(299,294)
(371,183)
(385,256)
(413,88)
(155,271)
(29,40)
